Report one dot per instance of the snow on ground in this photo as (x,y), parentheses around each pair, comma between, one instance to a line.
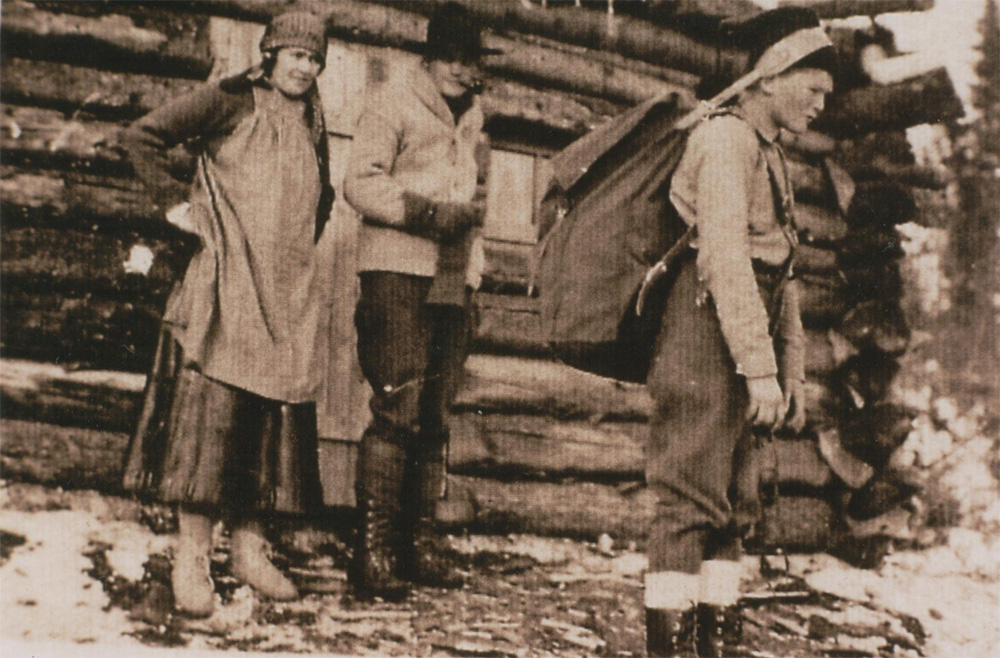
(46,593)
(529,596)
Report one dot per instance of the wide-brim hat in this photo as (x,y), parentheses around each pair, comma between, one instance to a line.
(453,33)
(782,39)
(774,41)
(296,28)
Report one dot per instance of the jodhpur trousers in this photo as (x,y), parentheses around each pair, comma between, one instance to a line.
(700,460)
(412,354)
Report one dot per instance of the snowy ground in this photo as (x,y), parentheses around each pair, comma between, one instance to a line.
(82,583)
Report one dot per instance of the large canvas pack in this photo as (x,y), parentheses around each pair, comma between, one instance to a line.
(613,220)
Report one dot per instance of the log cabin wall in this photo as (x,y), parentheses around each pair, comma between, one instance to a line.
(88,262)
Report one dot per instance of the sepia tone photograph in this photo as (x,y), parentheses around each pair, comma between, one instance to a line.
(500,328)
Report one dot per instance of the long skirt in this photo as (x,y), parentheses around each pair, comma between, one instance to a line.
(209,445)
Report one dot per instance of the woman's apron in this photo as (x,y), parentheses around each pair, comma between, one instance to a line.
(253,308)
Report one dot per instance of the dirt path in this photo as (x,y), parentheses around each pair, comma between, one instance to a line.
(81,568)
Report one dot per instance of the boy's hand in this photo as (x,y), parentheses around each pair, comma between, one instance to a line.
(767,404)
(795,405)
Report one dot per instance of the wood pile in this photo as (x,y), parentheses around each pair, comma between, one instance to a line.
(88,262)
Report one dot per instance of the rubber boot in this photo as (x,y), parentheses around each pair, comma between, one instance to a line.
(249,562)
(379,486)
(426,557)
(671,633)
(191,576)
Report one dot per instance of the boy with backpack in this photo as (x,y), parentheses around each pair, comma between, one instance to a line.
(685,223)
(729,351)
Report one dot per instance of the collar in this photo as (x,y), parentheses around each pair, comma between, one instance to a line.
(767,136)
(423,86)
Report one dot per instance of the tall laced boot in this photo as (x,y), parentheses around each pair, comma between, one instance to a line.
(191,577)
(427,560)
(372,573)
(720,620)
(671,615)
(249,562)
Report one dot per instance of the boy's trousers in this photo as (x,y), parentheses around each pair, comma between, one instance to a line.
(700,458)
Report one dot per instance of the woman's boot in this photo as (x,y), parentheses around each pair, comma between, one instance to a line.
(249,562)
(426,560)
(671,615)
(372,573)
(191,577)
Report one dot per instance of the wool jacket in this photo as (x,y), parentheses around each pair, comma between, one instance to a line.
(722,185)
(407,140)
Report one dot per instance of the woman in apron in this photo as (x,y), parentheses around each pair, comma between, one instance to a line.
(228,427)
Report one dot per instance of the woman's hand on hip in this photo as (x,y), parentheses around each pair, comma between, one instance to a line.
(767,404)
(180,216)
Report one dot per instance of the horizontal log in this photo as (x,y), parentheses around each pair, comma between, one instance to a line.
(809,142)
(103,400)
(930,98)
(878,326)
(77,261)
(819,226)
(118,330)
(89,330)
(489,445)
(825,352)
(34,137)
(80,458)
(556,118)
(882,282)
(72,89)
(583,510)
(523,60)
(823,302)
(631,37)
(846,8)
(77,458)
(874,433)
(614,59)
(588,510)
(69,457)
(165,44)
(124,96)
(815,260)
(558,69)
(493,384)
(504,384)
(891,145)
(877,497)
(514,446)
(864,380)
(808,182)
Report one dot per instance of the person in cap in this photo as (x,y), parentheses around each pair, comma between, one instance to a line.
(413,176)
(729,353)
(228,426)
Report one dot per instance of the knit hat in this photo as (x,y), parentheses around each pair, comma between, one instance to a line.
(296,29)
(454,33)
